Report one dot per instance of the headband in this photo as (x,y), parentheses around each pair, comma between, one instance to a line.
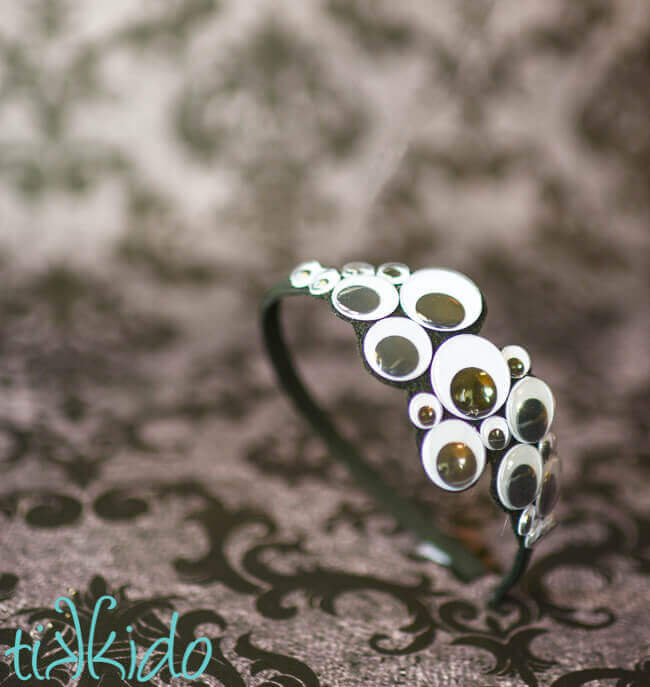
(471,404)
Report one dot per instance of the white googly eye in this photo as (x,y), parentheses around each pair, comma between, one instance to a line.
(324,282)
(397,349)
(440,299)
(518,360)
(304,273)
(425,410)
(550,490)
(470,376)
(495,433)
(526,520)
(453,455)
(519,476)
(365,297)
(395,272)
(352,269)
(530,409)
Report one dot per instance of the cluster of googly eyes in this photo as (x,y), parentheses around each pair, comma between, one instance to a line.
(471,380)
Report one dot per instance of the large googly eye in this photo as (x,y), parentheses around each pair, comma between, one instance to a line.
(530,409)
(470,376)
(397,349)
(303,274)
(453,455)
(425,410)
(441,299)
(395,272)
(324,282)
(365,297)
(550,491)
(352,269)
(495,433)
(518,360)
(519,476)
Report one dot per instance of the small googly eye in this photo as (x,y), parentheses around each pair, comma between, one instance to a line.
(395,272)
(519,476)
(425,410)
(495,433)
(526,520)
(304,273)
(547,446)
(470,376)
(365,297)
(518,360)
(397,348)
(453,455)
(530,409)
(324,282)
(353,269)
(550,491)
(441,299)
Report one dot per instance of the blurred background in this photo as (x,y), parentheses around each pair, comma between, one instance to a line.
(162,164)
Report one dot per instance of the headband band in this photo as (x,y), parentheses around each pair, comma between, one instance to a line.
(471,404)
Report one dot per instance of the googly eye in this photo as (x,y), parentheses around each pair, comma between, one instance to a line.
(353,269)
(530,409)
(453,455)
(395,272)
(324,282)
(441,299)
(397,349)
(365,297)
(547,446)
(304,273)
(550,491)
(518,360)
(519,476)
(495,433)
(470,376)
(425,410)
(526,520)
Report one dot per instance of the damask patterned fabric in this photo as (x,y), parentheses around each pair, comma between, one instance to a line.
(161,165)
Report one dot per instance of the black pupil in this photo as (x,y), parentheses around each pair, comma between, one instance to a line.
(359,299)
(440,309)
(496,438)
(532,420)
(548,496)
(396,355)
(523,486)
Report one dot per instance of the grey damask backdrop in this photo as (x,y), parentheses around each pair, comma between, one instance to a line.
(161,164)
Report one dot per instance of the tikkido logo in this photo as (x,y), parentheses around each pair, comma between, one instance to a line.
(94,654)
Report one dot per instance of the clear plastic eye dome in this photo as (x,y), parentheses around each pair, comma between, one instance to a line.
(395,272)
(470,376)
(550,489)
(518,360)
(530,409)
(351,269)
(397,348)
(303,274)
(365,297)
(425,410)
(441,299)
(519,476)
(495,433)
(324,282)
(453,455)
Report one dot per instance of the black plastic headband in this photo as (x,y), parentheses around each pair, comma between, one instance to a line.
(460,560)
